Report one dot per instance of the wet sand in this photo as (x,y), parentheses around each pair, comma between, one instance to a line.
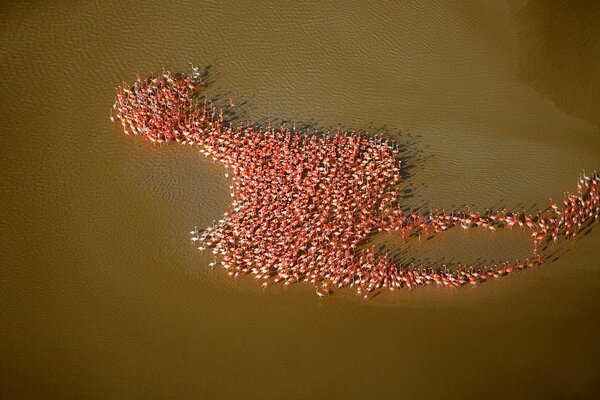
(103,297)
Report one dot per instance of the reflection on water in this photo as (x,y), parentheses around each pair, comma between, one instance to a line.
(103,295)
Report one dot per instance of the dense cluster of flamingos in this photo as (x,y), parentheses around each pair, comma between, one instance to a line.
(305,205)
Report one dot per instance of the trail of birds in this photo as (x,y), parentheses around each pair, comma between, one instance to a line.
(304,206)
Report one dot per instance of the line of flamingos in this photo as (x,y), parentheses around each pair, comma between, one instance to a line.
(305,205)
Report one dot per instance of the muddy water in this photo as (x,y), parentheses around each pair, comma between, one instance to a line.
(102,295)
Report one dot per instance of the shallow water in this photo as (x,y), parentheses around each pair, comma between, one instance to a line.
(103,296)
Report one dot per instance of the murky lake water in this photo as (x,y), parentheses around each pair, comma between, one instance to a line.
(102,295)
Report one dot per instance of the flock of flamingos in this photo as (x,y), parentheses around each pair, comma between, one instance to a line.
(305,205)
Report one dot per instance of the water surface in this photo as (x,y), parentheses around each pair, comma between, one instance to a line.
(104,297)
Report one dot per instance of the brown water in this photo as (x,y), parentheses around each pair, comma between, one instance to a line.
(103,297)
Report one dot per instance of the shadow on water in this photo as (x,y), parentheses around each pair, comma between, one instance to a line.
(549,48)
